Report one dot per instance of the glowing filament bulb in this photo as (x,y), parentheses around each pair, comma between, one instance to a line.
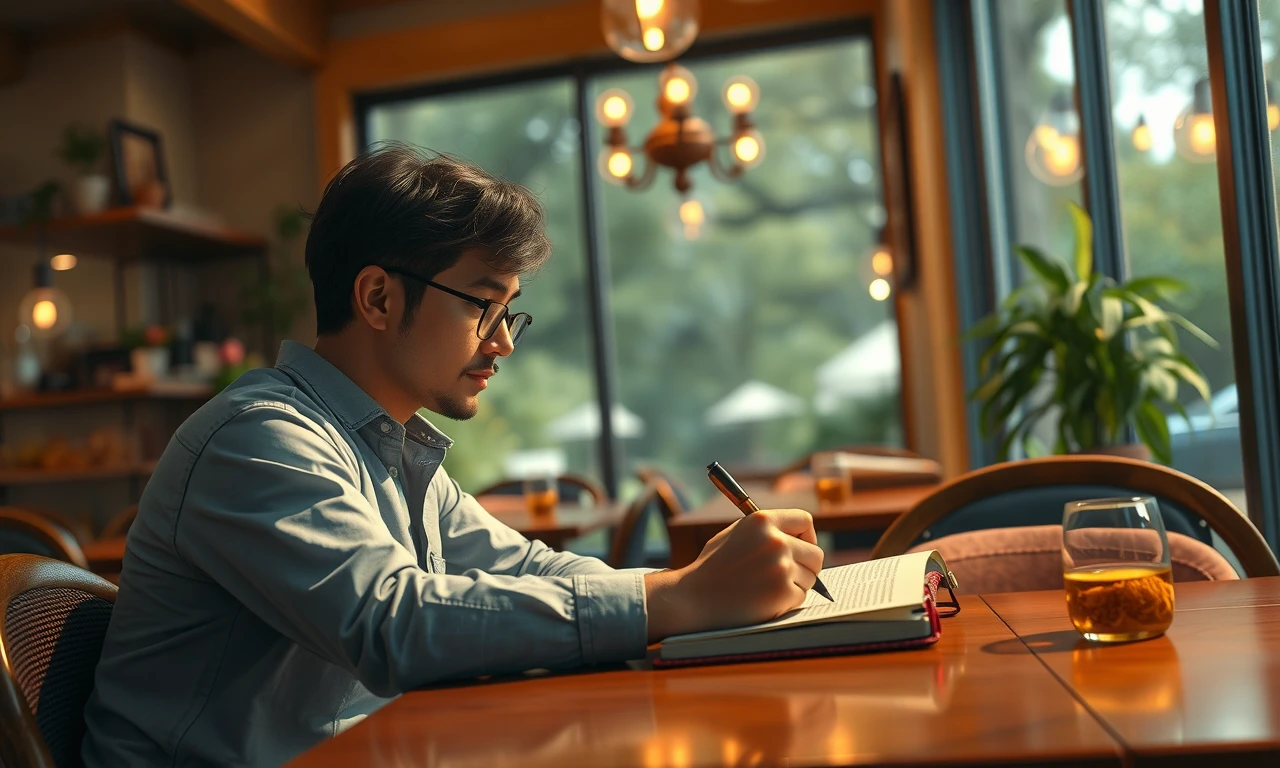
(647,9)
(654,39)
(44,315)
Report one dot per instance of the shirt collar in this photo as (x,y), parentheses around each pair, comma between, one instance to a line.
(346,400)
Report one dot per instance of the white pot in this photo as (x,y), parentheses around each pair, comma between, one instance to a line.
(90,194)
(150,362)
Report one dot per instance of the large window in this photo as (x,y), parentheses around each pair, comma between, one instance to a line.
(747,333)
(1168,181)
(753,337)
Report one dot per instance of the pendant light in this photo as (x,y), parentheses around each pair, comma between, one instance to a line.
(1194,134)
(44,309)
(1053,148)
(646,31)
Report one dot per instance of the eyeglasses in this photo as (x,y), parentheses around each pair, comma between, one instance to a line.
(492,312)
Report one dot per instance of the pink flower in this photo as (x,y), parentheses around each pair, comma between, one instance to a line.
(231,352)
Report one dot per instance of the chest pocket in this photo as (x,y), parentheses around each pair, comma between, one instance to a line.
(437,563)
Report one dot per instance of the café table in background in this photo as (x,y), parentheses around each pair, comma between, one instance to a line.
(872,509)
(569,521)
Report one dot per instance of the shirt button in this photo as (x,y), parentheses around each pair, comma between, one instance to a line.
(394,471)
(385,427)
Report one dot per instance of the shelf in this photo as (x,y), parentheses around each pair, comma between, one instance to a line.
(23,476)
(127,234)
(36,400)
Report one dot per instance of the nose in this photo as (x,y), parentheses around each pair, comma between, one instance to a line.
(500,342)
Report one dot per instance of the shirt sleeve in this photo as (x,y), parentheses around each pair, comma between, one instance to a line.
(474,542)
(274,514)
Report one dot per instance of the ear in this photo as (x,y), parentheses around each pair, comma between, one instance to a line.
(377,298)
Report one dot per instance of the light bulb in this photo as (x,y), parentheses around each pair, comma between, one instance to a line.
(615,164)
(619,164)
(44,315)
(691,213)
(63,261)
(881,261)
(613,108)
(741,94)
(648,31)
(1203,135)
(879,289)
(748,148)
(1063,157)
(647,9)
(1273,117)
(44,309)
(677,85)
(1045,135)
(1142,137)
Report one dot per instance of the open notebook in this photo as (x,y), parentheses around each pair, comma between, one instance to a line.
(879,605)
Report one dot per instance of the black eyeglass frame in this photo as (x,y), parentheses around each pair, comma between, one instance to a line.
(507,315)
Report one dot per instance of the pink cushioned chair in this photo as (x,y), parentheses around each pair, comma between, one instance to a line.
(1011,559)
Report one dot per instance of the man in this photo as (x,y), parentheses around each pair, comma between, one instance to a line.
(300,556)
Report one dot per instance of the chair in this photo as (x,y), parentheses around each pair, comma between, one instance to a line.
(569,487)
(627,550)
(55,619)
(119,525)
(79,530)
(649,473)
(1057,479)
(26,532)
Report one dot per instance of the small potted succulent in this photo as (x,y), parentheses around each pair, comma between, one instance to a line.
(83,149)
(1088,354)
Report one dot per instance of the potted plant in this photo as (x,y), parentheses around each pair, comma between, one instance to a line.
(273,304)
(82,149)
(148,351)
(1092,354)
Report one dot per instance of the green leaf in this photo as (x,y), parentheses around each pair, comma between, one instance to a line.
(1050,271)
(1194,330)
(1072,304)
(1084,241)
(1112,316)
(1153,429)
(1156,287)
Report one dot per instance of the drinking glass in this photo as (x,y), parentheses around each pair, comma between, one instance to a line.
(1115,565)
(541,496)
(832,479)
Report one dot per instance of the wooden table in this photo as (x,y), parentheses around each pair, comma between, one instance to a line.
(569,522)
(1009,683)
(1207,693)
(867,510)
(957,703)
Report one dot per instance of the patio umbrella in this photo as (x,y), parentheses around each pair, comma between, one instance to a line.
(583,423)
(753,402)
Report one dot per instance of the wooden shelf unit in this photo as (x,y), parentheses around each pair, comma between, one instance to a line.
(25,476)
(90,396)
(129,234)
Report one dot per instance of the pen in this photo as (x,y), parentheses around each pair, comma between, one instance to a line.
(721,479)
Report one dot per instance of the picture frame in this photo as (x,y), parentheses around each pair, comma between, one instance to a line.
(138,163)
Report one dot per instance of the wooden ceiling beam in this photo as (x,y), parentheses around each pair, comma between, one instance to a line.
(290,31)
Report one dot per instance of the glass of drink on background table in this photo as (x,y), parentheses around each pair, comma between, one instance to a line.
(1115,565)
(832,479)
(541,496)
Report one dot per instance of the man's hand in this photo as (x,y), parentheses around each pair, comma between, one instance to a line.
(757,569)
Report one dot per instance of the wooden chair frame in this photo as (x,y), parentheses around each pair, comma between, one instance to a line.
(1141,477)
(598,494)
(21,745)
(657,490)
(53,535)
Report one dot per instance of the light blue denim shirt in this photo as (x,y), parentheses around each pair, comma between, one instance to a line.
(299,558)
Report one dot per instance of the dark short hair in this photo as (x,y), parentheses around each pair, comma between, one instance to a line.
(398,206)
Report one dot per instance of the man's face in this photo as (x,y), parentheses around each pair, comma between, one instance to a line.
(439,358)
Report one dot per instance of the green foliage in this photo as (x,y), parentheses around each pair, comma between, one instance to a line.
(1096,355)
(277,301)
(82,147)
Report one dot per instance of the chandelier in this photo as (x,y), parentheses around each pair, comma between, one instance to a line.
(680,140)
(659,30)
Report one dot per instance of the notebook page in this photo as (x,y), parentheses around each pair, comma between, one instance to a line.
(877,585)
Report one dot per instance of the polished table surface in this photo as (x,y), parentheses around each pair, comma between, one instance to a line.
(977,697)
(865,510)
(1211,684)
